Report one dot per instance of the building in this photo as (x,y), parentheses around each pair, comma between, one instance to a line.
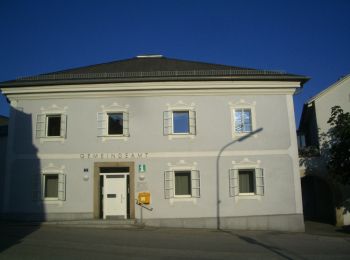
(3,144)
(319,194)
(85,143)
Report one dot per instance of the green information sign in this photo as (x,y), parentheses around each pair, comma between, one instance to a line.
(142,167)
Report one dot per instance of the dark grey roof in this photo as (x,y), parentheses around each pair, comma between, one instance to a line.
(150,68)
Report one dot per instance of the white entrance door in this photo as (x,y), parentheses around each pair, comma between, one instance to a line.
(114,196)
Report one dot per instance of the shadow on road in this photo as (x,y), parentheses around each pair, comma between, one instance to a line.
(253,241)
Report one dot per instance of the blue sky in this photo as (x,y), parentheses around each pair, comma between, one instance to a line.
(311,38)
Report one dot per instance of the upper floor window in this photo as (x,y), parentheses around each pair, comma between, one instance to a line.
(51,125)
(179,122)
(242,120)
(113,124)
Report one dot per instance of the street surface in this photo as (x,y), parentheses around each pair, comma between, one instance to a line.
(54,242)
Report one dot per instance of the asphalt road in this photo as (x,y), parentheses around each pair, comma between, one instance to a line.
(51,242)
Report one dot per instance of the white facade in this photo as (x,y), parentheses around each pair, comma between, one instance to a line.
(256,184)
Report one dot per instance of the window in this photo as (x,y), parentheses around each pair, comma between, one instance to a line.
(114,124)
(182,183)
(179,122)
(246,182)
(51,125)
(242,120)
(50,186)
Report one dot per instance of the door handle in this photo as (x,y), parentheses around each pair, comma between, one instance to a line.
(121,198)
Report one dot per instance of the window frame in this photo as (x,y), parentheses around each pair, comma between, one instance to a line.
(44,175)
(103,125)
(241,109)
(107,128)
(47,125)
(190,182)
(254,182)
(173,122)
(259,182)
(242,104)
(42,126)
(169,184)
(168,123)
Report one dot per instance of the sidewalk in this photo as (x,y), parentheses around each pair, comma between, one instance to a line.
(322,229)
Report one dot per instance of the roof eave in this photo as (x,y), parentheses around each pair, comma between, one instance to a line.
(23,83)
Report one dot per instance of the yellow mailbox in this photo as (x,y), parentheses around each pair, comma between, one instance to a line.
(144,197)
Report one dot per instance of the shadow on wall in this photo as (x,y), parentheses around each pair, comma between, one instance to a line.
(22,193)
(3,144)
(318,199)
(324,199)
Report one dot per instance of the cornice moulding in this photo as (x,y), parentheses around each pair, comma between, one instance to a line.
(154,86)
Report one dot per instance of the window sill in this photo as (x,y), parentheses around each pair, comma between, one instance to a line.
(52,139)
(180,199)
(182,196)
(238,135)
(114,137)
(52,202)
(181,136)
(248,196)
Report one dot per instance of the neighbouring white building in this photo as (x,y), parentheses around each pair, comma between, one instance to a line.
(320,196)
(84,143)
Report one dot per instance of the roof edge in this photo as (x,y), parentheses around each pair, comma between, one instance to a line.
(323,92)
(11,84)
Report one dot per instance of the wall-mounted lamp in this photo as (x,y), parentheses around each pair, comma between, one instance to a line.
(86,174)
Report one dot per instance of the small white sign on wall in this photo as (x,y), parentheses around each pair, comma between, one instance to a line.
(142,168)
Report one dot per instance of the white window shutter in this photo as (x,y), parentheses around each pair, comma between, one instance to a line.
(169,184)
(61,186)
(101,124)
(167,123)
(192,122)
(233,182)
(63,126)
(37,187)
(126,124)
(40,126)
(259,181)
(195,183)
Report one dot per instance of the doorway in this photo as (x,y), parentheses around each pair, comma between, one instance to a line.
(114,195)
(114,190)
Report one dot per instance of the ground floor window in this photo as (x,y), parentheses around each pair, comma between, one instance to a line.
(50,186)
(182,183)
(246,182)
